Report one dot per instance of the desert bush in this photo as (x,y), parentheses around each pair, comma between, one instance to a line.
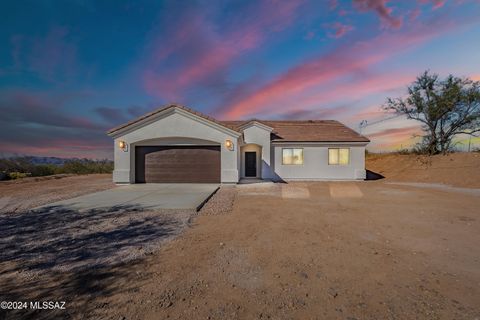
(20,167)
(18,175)
(404,151)
(4,176)
(43,170)
(19,164)
(86,166)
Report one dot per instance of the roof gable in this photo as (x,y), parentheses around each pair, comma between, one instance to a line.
(165,111)
(255,123)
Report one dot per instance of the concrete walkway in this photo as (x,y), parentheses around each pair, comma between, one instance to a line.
(143,196)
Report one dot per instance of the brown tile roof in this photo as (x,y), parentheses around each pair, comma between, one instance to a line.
(169,106)
(294,131)
(308,131)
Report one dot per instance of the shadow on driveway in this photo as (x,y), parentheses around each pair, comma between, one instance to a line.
(57,253)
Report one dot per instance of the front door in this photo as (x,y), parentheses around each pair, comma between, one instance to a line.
(250,164)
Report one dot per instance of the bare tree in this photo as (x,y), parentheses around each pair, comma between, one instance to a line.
(445,108)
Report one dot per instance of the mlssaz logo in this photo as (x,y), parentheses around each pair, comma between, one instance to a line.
(48,305)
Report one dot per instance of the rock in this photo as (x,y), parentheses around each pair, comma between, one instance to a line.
(333,292)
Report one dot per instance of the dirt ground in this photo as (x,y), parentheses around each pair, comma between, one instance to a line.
(456,169)
(22,194)
(319,250)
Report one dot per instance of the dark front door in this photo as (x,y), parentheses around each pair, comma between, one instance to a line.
(197,164)
(250,164)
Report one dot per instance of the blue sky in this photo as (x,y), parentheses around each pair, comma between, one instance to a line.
(70,70)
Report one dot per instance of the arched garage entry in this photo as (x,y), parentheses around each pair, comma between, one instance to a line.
(177,160)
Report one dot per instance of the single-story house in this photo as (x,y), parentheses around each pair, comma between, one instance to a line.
(177,144)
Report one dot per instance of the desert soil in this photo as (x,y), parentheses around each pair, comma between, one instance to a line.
(456,169)
(320,250)
(22,194)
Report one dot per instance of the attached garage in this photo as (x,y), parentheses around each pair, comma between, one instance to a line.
(177,164)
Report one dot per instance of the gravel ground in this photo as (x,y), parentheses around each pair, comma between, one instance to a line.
(221,202)
(62,239)
(64,254)
(23,194)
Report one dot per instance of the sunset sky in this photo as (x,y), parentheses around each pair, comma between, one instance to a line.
(70,70)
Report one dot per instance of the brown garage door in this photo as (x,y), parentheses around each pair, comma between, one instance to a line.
(197,164)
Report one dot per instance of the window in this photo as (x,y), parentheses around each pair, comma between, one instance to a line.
(292,156)
(338,156)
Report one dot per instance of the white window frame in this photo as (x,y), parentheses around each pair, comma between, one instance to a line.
(338,157)
(294,164)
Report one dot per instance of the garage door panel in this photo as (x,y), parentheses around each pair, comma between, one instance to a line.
(199,164)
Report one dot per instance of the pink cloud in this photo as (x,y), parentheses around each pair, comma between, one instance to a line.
(43,110)
(205,52)
(307,114)
(333,4)
(345,61)
(357,89)
(436,3)
(413,15)
(395,138)
(396,134)
(371,113)
(42,123)
(380,7)
(339,30)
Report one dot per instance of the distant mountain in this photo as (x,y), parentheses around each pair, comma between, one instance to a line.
(46,160)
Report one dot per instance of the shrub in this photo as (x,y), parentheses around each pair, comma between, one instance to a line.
(43,170)
(14,168)
(86,166)
(18,175)
(404,151)
(4,176)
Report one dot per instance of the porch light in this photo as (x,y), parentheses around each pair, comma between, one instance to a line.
(122,145)
(229,144)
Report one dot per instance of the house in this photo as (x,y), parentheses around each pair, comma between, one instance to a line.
(177,144)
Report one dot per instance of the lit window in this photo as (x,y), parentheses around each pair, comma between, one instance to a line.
(292,156)
(338,156)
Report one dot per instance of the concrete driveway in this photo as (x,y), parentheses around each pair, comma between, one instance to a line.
(145,196)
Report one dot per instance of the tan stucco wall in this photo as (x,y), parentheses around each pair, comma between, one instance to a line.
(316,167)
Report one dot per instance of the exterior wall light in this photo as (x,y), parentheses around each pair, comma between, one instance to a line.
(122,145)
(229,144)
